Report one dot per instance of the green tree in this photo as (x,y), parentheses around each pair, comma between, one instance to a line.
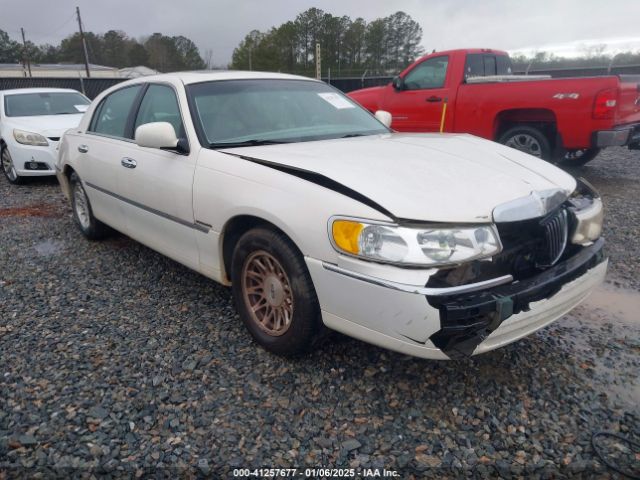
(189,53)
(10,51)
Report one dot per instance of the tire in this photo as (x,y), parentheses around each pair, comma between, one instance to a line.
(90,226)
(9,169)
(527,139)
(578,158)
(268,273)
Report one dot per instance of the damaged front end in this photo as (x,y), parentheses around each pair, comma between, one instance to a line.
(541,254)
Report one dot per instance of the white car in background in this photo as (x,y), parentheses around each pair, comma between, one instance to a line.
(316,213)
(32,120)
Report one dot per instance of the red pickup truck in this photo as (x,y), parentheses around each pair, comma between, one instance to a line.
(474,91)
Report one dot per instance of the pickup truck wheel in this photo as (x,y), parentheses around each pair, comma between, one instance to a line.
(9,169)
(527,139)
(90,226)
(274,294)
(578,158)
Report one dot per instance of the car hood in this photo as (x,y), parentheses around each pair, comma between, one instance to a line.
(47,125)
(425,177)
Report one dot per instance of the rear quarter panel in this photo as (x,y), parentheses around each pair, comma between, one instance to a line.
(479,106)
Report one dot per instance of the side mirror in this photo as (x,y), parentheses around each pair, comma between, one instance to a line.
(398,83)
(156,135)
(384,117)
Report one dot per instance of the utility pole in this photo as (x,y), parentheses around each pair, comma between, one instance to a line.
(84,43)
(27,60)
(318,64)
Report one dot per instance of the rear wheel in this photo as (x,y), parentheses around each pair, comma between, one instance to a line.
(9,168)
(527,139)
(90,226)
(578,158)
(274,293)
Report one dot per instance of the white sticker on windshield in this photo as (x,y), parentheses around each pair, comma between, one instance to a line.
(81,108)
(336,100)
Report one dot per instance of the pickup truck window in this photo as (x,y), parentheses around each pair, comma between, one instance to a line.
(429,74)
(483,65)
(160,104)
(113,112)
(230,113)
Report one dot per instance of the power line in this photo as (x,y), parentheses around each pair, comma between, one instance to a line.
(51,33)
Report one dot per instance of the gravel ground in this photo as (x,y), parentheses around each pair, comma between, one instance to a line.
(116,361)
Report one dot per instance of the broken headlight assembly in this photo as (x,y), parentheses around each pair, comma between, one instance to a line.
(586,206)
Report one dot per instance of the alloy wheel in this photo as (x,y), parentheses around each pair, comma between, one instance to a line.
(7,165)
(525,143)
(267,293)
(81,206)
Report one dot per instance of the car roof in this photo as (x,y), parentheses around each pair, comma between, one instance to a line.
(213,75)
(36,90)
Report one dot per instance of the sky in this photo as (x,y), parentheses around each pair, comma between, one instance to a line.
(564,26)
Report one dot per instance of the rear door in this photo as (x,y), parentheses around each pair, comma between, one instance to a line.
(418,106)
(158,184)
(99,151)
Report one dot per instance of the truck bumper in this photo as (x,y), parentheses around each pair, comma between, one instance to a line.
(619,137)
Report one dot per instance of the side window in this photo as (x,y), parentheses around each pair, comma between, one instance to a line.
(112,114)
(160,105)
(429,74)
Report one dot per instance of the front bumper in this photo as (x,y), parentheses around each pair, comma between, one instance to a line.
(619,137)
(457,325)
(26,157)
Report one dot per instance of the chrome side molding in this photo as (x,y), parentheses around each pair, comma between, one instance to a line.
(403,287)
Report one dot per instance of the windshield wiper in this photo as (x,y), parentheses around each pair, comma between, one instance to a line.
(254,142)
(351,135)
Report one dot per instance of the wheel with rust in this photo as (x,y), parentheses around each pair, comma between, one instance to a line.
(274,293)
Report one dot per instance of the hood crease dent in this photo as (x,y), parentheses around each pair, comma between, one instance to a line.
(430,178)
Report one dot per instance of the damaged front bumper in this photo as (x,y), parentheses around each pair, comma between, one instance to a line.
(468,319)
(446,323)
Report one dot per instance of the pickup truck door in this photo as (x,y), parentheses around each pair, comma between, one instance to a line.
(157,185)
(418,105)
(97,152)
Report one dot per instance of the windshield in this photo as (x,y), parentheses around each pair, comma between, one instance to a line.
(44,103)
(253,112)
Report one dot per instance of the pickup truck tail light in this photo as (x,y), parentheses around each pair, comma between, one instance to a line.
(605,104)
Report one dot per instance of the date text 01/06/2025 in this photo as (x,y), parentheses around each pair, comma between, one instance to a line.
(315,473)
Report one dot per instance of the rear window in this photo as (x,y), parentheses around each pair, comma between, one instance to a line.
(44,103)
(484,65)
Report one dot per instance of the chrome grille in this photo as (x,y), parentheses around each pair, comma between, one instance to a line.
(555,228)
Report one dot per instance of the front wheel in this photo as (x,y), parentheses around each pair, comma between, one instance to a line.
(90,226)
(274,293)
(9,168)
(527,139)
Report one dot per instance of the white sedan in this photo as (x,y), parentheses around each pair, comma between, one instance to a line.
(317,214)
(32,120)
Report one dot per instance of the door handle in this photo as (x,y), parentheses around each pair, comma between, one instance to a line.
(128,162)
(83,148)
(434,99)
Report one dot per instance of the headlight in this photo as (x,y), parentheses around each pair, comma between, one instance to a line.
(587,208)
(29,138)
(427,246)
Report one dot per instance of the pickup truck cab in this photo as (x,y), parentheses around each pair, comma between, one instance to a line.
(568,119)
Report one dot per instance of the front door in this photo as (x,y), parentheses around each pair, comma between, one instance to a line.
(418,106)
